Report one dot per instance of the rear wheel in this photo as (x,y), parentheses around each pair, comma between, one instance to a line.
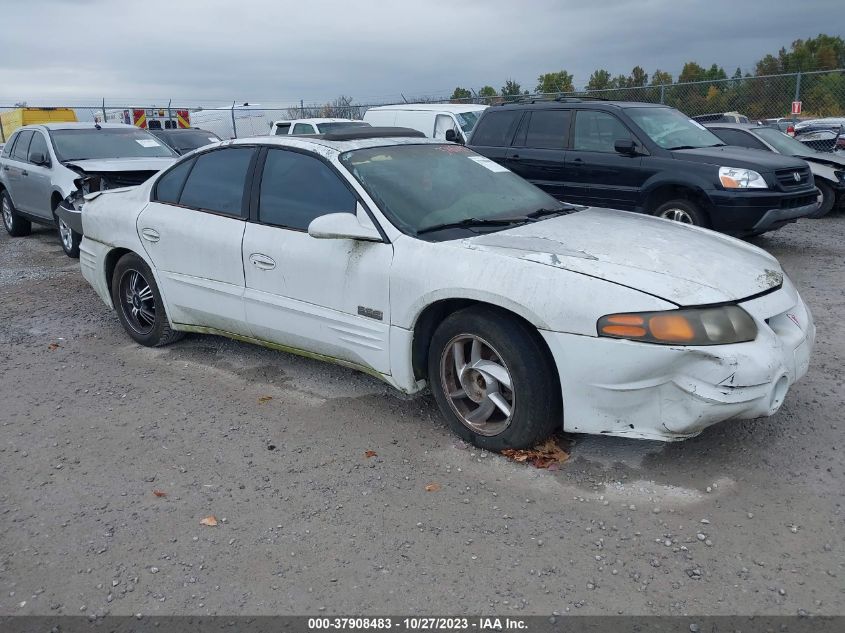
(683,211)
(138,303)
(69,239)
(828,199)
(16,226)
(493,380)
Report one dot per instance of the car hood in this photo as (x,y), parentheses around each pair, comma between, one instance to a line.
(826,159)
(679,263)
(121,164)
(728,156)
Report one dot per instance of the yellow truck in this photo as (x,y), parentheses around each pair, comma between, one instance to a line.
(13,119)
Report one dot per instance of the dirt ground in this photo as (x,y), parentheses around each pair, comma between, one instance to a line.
(745,519)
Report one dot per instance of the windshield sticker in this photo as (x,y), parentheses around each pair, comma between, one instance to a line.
(697,124)
(212,139)
(489,164)
(146,142)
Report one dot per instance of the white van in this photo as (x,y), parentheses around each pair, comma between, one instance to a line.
(432,119)
(313,126)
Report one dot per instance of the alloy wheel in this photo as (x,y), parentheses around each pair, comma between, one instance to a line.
(7,214)
(677,215)
(477,384)
(137,302)
(66,234)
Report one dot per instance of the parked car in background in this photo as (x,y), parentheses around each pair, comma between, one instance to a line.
(646,158)
(309,127)
(723,117)
(782,123)
(834,124)
(828,169)
(315,246)
(822,140)
(183,141)
(45,167)
(445,121)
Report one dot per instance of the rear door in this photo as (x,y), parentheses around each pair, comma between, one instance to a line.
(192,231)
(609,179)
(35,187)
(15,171)
(324,296)
(539,152)
(494,133)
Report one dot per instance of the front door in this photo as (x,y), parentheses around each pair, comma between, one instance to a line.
(192,231)
(324,296)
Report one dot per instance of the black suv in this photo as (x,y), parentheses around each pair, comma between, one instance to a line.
(647,158)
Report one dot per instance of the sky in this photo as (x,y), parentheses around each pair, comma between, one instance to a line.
(212,52)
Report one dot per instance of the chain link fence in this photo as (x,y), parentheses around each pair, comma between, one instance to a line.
(822,94)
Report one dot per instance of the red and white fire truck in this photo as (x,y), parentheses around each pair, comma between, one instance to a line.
(151,118)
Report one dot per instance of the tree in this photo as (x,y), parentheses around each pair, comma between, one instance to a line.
(660,78)
(487,91)
(561,81)
(620,81)
(511,89)
(691,71)
(638,77)
(461,93)
(599,80)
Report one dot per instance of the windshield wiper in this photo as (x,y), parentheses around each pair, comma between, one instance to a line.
(686,147)
(469,222)
(544,212)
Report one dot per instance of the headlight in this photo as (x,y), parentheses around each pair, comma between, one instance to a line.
(737,178)
(693,326)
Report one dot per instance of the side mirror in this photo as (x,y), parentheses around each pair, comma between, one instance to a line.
(38,158)
(452,136)
(342,226)
(625,146)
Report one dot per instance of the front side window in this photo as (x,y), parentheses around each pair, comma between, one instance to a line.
(420,187)
(216,183)
(303,128)
(597,131)
(548,129)
(671,130)
(296,188)
(21,149)
(38,144)
(496,128)
(108,142)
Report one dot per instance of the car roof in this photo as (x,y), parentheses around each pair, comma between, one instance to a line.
(180,130)
(433,107)
(735,126)
(84,125)
(569,102)
(320,145)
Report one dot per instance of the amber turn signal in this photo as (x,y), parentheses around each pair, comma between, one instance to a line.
(694,326)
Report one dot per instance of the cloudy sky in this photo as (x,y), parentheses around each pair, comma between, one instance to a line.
(263,51)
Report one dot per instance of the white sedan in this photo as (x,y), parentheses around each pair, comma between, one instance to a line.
(421,262)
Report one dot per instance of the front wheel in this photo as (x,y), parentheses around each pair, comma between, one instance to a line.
(828,199)
(138,303)
(683,211)
(69,239)
(493,380)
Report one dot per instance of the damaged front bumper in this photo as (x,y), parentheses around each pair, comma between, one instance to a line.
(71,215)
(642,390)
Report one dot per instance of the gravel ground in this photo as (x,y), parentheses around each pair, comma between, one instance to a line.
(747,518)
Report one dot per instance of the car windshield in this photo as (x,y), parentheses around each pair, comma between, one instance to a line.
(672,130)
(337,126)
(188,140)
(423,186)
(468,119)
(91,143)
(783,143)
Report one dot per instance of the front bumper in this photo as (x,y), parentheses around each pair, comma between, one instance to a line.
(662,392)
(71,216)
(753,212)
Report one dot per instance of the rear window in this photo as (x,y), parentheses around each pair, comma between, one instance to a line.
(496,128)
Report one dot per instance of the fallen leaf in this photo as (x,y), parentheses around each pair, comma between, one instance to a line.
(544,455)
(53,346)
(159,493)
(369,454)
(210,521)
(432,487)
(264,399)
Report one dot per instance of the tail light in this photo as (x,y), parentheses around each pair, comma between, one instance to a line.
(790,130)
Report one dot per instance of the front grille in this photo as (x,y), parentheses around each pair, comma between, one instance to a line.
(125,178)
(798,201)
(787,180)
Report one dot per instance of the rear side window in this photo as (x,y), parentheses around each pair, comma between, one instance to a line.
(7,148)
(496,128)
(296,188)
(597,131)
(548,129)
(738,138)
(21,149)
(216,183)
(303,128)
(169,186)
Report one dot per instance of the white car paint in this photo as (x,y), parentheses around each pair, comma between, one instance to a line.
(432,119)
(561,275)
(309,126)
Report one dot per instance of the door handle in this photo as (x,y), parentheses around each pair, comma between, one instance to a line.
(24,173)
(262,262)
(151,235)
(578,161)
(515,157)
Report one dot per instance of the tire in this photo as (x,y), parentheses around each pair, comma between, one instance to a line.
(138,303)
(828,199)
(16,226)
(530,410)
(683,211)
(68,238)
